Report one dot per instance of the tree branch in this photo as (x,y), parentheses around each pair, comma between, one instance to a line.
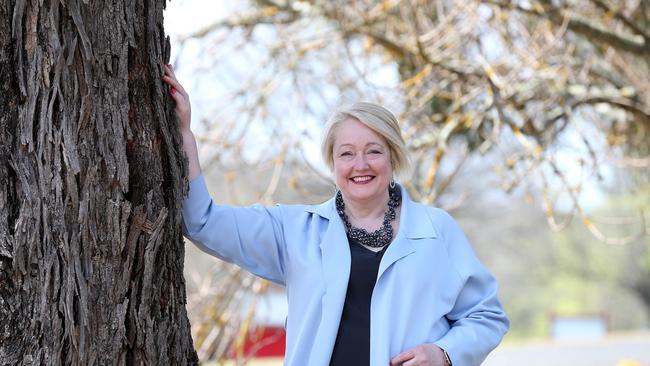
(620,16)
(631,43)
(252,20)
(636,44)
(617,102)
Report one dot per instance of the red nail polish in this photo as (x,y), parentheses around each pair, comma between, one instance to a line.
(173,91)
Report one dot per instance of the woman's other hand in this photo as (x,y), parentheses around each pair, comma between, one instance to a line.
(422,355)
(183,107)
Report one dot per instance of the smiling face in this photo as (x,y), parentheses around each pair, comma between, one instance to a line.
(362,164)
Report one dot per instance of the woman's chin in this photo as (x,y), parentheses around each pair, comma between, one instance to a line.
(363,192)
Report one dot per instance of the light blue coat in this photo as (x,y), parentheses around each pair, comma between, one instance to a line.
(430,287)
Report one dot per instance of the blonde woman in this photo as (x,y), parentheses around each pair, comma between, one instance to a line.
(372,277)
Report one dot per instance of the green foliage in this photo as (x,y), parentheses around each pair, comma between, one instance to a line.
(543,274)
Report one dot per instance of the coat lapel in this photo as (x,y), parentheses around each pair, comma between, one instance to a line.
(398,249)
(414,224)
(335,254)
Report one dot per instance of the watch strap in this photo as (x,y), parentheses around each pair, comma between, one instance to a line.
(447,358)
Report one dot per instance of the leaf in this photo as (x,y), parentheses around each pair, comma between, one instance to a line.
(270,11)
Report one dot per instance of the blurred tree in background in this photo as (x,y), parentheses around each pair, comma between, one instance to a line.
(540,88)
(548,100)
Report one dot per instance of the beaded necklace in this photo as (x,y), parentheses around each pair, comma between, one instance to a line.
(380,237)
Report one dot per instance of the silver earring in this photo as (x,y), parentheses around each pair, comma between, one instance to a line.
(392,183)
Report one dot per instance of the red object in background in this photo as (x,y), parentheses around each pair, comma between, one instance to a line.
(265,342)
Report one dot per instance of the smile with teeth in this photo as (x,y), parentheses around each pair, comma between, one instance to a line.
(362,179)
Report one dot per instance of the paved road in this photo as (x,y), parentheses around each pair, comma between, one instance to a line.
(609,351)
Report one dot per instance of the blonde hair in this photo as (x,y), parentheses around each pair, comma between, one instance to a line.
(378,119)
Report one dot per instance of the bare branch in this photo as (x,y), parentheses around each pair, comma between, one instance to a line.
(620,16)
(637,44)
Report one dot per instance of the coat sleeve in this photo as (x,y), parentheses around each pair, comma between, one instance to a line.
(250,237)
(478,322)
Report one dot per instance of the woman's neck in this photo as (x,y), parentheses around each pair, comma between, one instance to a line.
(366,209)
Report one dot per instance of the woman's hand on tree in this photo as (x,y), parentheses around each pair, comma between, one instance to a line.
(183,107)
(183,111)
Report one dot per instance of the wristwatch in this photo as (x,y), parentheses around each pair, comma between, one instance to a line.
(447,358)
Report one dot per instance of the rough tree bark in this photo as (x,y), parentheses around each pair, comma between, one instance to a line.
(91,183)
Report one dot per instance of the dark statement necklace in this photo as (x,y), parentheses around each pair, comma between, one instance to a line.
(380,237)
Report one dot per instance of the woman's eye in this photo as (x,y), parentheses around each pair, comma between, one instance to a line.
(346,153)
(374,152)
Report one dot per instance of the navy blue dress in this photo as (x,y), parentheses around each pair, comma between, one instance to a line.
(352,345)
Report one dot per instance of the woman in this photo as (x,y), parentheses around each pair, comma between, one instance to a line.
(372,277)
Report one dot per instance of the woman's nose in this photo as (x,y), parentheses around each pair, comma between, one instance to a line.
(361,162)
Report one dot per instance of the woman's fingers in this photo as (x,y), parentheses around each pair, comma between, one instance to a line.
(424,354)
(172,82)
(401,358)
(176,89)
(180,96)
(170,78)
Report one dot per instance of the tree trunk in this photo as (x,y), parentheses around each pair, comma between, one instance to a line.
(92,179)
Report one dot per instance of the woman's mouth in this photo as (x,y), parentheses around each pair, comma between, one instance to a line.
(362,179)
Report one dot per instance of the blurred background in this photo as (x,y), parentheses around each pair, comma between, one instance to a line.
(528,121)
